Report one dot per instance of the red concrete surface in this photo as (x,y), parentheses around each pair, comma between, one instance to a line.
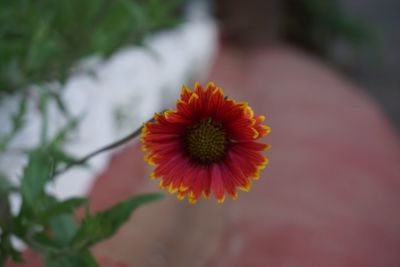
(329,197)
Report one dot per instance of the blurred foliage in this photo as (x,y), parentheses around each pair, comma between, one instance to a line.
(41,40)
(45,223)
(316,25)
(17,122)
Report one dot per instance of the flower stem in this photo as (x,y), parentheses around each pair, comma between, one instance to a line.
(102,149)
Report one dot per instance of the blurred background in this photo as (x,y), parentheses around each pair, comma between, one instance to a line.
(326,74)
(42,40)
(359,37)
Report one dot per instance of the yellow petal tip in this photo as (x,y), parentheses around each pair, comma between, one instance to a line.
(192,200)
(172,189)
(193,97)
(221,200)
(219,91)
(185,89)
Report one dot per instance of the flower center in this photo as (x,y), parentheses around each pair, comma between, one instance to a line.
(206,141)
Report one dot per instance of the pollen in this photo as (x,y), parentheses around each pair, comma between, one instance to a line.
(206,141)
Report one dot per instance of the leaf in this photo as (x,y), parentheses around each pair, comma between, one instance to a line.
(17,121)
(83,259)
(42,40)
(7,250)
(5,210)
(63,133)
(5,185)
(64,207)
(104,224)
(42,242)
(64,228)
(35,176)
(60,104)
(61,156)
(15,254)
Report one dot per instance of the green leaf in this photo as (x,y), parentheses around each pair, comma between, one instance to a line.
(7,250)
(64,207)
(17,121)
(43,243)
(43,41)
(63,157)
(60,104)
(35,176)
(62,135)
(15,255)
(64,228)
(104,224)
(5,185)
(83,259)
(5,210)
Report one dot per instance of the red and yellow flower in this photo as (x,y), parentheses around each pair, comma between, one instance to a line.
(208,144)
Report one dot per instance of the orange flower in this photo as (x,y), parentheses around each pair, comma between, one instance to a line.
(208,144)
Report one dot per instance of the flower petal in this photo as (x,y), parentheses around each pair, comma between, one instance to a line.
(185,93)
(217,184)
(208,144)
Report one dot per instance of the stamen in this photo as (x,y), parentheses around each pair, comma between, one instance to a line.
(206,141)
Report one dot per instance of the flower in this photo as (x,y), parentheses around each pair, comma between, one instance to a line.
(208,144)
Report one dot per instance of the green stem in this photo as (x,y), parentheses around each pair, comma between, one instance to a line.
(103,149)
